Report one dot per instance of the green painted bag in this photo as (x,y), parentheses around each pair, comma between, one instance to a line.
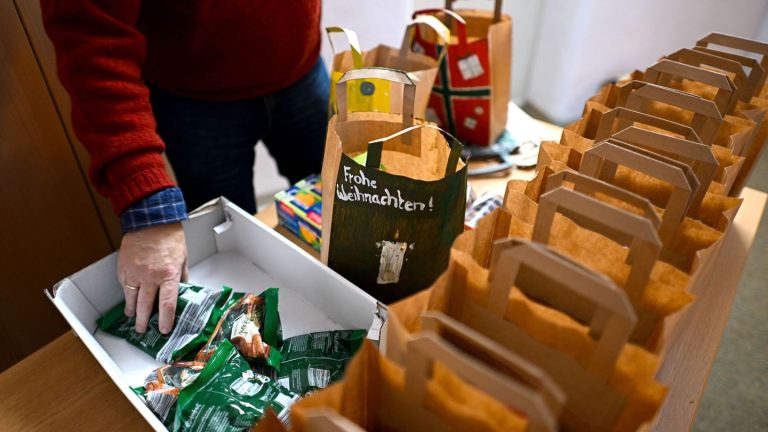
(390,233)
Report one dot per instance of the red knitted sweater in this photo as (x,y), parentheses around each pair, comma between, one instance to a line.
(208,49)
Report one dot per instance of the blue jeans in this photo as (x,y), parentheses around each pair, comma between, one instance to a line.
(211,144)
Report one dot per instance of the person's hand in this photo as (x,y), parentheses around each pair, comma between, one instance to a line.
(152,260)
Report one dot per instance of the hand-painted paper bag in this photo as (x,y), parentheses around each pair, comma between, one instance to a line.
(471,93)
(393,195)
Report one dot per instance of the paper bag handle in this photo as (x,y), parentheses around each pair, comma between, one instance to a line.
(426,348)
(392,75)
(375,147)
(697,156)
(459,25)
(699,59)
(537,396)
(706,118)
(441,31)
(354,44)
(739,43)
(572,289)
(620,118)
(496,9)
(602,161)
(323,419)
(725,98)
(756,71)
(586,185)
(644,243)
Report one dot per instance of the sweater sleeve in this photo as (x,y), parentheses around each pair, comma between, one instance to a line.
(99,53)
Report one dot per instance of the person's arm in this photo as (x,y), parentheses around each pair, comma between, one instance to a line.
(99,53)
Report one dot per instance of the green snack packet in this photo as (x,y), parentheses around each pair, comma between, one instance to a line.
(229,396)
(161,388)
(252,323)
(315,360)
(197,311)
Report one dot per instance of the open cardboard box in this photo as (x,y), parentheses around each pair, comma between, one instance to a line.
(226,246)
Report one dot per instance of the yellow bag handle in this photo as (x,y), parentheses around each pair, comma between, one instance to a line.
(354,44)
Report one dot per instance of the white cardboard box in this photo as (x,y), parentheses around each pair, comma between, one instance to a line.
(226,246)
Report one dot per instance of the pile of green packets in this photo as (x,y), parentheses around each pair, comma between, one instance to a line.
(226,360)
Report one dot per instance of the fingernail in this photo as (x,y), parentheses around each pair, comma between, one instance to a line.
(140,329)
(128,312)
(164,330)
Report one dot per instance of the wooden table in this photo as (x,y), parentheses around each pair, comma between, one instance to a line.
(62,387)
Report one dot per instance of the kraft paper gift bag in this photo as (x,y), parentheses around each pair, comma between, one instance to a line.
(605,228)
(393,195)
(565,319)
(421,69)
(708,210)
(441,386)
(472,91)
(743,121)
(582,134)
(751,103)
(722,133)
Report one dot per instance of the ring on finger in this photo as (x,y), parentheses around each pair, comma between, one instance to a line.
(131,287)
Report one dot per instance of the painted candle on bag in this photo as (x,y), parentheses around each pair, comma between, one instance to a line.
(391,235)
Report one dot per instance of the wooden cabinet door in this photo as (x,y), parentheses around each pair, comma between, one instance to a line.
(32,19)
(49,224)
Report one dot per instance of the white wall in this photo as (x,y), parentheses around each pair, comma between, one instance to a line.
(375,22)
(525,15)
(583,43)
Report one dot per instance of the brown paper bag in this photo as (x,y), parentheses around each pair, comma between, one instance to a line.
(471,95)
(581,135)
(706,213)
(421,69)
(731,132)
(389,221)
(740,45)
(744,121)
(432,392)
(534,395)
(601,231)
(569,321)
(752,99)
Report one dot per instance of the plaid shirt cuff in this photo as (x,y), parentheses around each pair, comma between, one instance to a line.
(163,207)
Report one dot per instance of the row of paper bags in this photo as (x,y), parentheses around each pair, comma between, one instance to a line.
(550,315)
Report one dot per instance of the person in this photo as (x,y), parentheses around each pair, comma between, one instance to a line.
(203,81)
